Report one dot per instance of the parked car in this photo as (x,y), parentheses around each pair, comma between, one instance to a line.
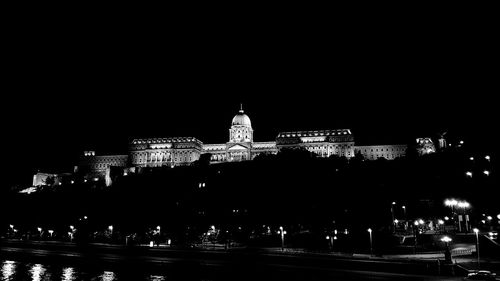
(481,275)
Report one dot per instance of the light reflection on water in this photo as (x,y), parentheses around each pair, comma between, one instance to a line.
(68,274)
(106,276)
(8,269)
(13,271)
(37,272)
(157,278)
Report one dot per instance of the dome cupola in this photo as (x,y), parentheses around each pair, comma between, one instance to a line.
(241,119)
(241,128)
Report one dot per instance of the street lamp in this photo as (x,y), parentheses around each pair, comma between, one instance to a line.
(477,247)
(463,205)
(51,232)
(371,241)
(393,217)
(468,174)
(447,253)
(282,232)
(486,172)
(451,203)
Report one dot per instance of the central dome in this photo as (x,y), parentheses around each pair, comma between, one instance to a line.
(241,119)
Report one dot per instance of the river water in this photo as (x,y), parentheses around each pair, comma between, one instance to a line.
(25,271)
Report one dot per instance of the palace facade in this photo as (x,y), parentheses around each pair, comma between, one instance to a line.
(182,151)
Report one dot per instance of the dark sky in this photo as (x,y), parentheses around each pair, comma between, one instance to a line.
(70,85)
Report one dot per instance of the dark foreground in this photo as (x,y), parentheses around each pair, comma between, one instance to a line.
(45,261)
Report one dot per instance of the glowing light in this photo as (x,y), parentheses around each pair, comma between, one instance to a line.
(393,203)
(71,227)
(11,226)
(72,182)
(335,231)
(461,142)
(37,272)
(110,228)
(8,270)
(487,157)
(471,159)
(156,278)
(39,229)
(489,218)
(476,230)
(498,216)
(463,204)
(421,221)
(469,174)
(108,276)
(51,232)
(327,237)
(450,202)
(158,228)
(446,218)
(486,173)
(68,274)
(446,239)
(483,221)
(415,223)
(334,237)
(440,222)
(396,221)
(369,230)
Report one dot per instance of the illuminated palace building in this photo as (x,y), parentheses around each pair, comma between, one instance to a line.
(182,151)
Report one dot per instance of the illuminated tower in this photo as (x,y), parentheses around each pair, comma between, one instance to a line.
(241,128)
(240,138)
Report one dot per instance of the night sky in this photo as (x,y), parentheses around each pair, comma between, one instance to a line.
(95,85)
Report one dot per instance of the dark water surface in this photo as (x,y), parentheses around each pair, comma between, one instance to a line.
(16,270)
